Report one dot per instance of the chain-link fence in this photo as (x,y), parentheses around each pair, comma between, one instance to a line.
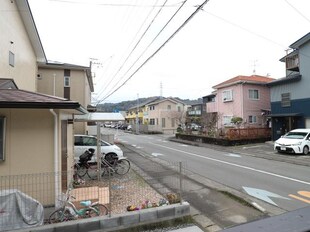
(29,200)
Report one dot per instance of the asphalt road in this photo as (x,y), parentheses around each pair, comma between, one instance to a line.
(274,183)
(278,183)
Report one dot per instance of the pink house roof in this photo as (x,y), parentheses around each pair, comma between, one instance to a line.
(254,79)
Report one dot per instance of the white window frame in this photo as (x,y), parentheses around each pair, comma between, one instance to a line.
(66,81)
(252,119)
(227,120)
(11,59)
(252,94)
(227,95)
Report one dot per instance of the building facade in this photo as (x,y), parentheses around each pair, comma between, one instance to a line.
(290,96)
(246,97)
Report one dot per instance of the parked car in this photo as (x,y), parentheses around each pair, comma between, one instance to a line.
(295,141)
(84,142)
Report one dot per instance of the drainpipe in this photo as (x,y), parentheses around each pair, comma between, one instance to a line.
(56,171)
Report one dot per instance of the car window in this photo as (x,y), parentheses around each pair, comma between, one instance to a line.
(295,135)
(103,143)
(78,141)
(89,141)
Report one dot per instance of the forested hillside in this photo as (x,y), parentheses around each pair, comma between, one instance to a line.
(125,105)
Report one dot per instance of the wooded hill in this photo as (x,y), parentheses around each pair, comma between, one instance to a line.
(125,105)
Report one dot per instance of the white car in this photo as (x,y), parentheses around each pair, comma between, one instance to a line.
(295,141)
(84,142)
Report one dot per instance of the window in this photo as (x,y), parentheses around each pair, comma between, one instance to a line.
(172,122)
(2,138)
(227,95)
(169,107)
(152,121)
(179,108)
(11,59)
(252,119)
(163,122)
(253,94)
(66,81)
(227,120)
(152,107)
(285,99)
(67,73)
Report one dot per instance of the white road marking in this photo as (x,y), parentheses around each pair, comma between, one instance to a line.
(237,165)
(263,194)
(156,154)
(233,155)
(184,145)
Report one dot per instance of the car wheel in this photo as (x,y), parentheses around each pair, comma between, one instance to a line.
(305,150)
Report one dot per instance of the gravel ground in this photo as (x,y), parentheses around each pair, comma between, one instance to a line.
(127,190)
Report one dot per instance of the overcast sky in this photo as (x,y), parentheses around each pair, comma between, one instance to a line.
(224,39)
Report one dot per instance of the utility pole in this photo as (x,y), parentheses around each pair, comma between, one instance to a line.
(137,115)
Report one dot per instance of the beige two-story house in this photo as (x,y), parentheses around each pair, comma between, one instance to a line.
(35,129)
(73,82)
(164,115)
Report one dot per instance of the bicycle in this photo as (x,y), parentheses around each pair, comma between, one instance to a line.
(68,210)
(109,164)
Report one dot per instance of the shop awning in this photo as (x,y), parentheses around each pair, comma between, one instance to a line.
(285,115)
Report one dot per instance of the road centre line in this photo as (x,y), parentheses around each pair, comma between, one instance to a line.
(236,165)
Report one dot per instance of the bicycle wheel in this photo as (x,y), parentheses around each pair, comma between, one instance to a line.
(99,210)
(81,170)
(59,215)
(122,166)
(92,172)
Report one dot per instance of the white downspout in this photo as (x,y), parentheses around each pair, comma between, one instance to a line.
(56,162)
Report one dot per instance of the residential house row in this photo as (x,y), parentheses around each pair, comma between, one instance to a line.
(280,104)
(260,101)
(38,101)
(157,115)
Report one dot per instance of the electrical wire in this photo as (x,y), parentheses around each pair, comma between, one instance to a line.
(138,42)
(150,57)
(111,4)
(132,50)
(152,41)
(297,11)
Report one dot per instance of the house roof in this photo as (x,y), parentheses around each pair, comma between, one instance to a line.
(100,117)
(7,83)
(284,80)
(144,103)
(254,79)
(15,98)
(26,15)
(166,99)
(301,41)
(60,65)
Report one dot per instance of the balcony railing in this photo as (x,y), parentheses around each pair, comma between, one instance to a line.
(292,63)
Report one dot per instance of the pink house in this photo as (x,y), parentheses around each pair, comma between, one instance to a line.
(247,97)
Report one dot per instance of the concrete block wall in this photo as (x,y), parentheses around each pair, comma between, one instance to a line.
(118,221)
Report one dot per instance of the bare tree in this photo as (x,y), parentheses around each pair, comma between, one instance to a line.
(210,121)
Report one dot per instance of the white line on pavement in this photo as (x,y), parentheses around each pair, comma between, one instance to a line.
(237,165)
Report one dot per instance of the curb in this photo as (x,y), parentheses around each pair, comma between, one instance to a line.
(120,221)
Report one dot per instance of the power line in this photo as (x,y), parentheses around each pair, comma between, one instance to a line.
(297,11)
(150,57)
(134,48)
(152,41)
(112,4)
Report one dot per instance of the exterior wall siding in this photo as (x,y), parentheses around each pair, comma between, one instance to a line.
(253,107)
(80,90)
(16,40)
(29,142)
(298,114)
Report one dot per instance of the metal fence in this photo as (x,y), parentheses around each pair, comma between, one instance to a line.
(28,200)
